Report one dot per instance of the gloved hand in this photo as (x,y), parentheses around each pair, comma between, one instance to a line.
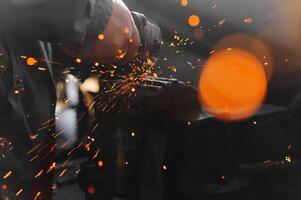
(172,97)
(150,34)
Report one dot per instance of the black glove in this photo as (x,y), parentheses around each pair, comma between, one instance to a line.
(172,97)
(150,34)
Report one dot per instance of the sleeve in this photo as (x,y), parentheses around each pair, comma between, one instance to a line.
(75,22)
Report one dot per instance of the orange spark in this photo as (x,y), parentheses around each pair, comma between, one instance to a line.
(120,54)
(62,173)
(19,192)
(39,174)
(33,136)
(8,174)
(194,20)
(184,3)
(101,36)
(100,163)
(96,154)
(78,60)
(42,69)
(53,166)
(37,195)
(31,61)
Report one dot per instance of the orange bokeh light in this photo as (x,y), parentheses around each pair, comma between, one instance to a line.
(184,3)
(194,20)
(126,30)
(101,36)
(91,190)
(232,85)
(100,163)
(31,61)
(4,187)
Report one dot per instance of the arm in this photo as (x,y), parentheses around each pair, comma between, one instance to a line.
(77,24)
(119,42)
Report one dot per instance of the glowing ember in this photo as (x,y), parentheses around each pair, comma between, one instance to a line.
(8,174)
(42,69)
(53,166)
(31,61)
(184,3)
(78,60)
(100,163)
(37,195)
(62,173)
(194,20)
(120,54)
(39,174)
(19,192)
(101,36)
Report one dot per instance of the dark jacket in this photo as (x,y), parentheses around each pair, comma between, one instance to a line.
(27,92)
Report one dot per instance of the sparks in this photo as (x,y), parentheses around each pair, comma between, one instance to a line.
(19,192)
(8,174)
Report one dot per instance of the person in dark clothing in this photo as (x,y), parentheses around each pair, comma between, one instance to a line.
(30,33)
